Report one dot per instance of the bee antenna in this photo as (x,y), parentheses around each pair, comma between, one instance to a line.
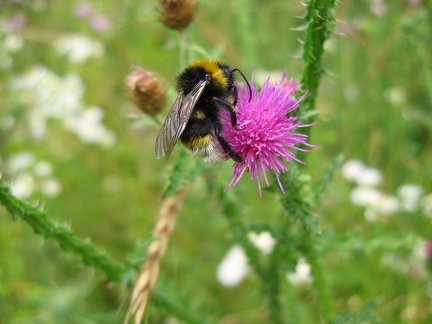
(247,82)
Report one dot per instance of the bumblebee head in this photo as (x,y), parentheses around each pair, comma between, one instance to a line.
(220,76)
(219,72)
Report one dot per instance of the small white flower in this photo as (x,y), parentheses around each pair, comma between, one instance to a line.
(78,48)
(13,43)
(387,204)
(410,195)
(396,95)
(376,202)
(23,186)
(20,161)
(51,187)
(302,274)
(263,241)
(356,171)
(365,196)
(88,127)
(43,169)
(233,268)
(369,177)
(351,169)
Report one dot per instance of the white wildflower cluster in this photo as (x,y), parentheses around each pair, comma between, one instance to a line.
(378,204)
(413,265)
(78,48)
(234,267)
(302,274)
(50,96)
(10,43)
(31,176)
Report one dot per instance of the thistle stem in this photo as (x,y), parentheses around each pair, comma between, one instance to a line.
(325,301)
(319,19)
(67,240)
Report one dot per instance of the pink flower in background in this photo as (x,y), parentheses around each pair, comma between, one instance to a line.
(97,21)
(265,136)
(83,9)
(100,23)
(17,21)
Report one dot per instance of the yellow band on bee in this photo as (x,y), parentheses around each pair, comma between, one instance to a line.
(199,115)
(196,143)
(213,68)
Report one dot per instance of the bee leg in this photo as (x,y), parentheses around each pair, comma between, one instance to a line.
(235,95)
(227,149)
(228,107)
(225,145)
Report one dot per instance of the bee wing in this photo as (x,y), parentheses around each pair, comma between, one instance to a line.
(177,119)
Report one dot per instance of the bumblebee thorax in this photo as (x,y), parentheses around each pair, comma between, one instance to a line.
(201,69)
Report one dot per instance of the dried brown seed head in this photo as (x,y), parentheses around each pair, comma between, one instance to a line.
(177,14)
(146,90)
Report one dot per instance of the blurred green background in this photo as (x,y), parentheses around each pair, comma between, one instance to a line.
(374,104)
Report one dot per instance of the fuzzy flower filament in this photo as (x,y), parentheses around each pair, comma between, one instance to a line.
(265,136)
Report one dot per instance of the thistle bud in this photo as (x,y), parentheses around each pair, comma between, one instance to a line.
(146,90)
(177,14)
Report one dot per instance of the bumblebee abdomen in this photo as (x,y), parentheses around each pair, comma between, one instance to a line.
(198,139)
(203,147)
(197,142)
(198,126)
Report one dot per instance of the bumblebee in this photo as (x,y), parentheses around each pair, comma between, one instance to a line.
(204,88)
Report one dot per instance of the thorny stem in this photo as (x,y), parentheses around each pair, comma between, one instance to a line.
(67,240)
(326,304)
(319,19)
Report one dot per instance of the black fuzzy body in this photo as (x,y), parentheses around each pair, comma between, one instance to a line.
(204,122)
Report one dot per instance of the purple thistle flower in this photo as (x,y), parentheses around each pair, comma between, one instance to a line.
(265,136)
